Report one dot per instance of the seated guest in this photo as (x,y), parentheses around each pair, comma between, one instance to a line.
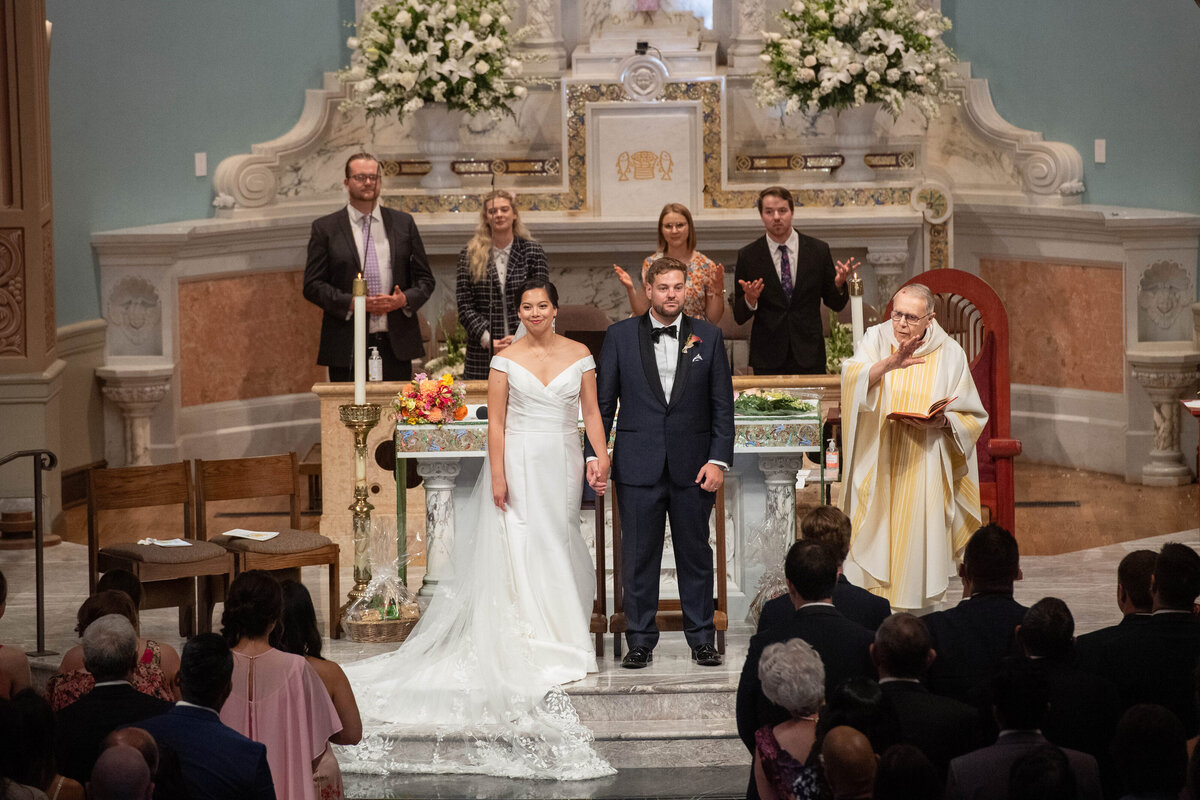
(1020,699)
(215,761)
(1043,773)
(493,266)
(793,678)
(301,636)
(14,665)
(704,282)
(941,727)
(120,774)
(858,703)
(156,665)
(122,580)
(831,527)
(974,637)
(1153,662)
(11,755)
(277,698)
(110,654)
(164,765)
(35,745)
(904,773)
(849,764)
(1133,599)
(1150,753)
(1084,708)
(811,572)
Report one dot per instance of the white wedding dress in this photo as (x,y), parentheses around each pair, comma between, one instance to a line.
(480,676)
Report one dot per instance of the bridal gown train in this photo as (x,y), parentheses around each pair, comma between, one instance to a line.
(480,676)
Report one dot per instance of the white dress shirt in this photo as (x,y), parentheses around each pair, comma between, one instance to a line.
(377,323)
(666,354)
(793,247)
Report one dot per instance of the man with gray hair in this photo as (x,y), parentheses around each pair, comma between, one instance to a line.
(110,654)
(911,479)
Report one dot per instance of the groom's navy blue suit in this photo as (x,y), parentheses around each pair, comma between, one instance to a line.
(661,445)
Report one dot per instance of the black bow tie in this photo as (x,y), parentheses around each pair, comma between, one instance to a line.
(658,333)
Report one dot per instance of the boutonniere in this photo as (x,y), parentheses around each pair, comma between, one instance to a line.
(692,341)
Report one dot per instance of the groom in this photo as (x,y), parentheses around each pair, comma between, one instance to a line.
(674,443)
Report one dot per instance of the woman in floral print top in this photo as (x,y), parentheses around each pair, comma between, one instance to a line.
(704,286)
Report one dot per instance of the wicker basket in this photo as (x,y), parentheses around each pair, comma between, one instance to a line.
(381,630)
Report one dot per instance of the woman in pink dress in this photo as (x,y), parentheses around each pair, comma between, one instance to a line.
(277,698)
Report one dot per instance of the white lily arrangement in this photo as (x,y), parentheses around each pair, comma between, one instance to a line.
(410,53)
(836,54)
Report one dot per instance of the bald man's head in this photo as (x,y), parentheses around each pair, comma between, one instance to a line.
(139,739)
(120,773)
(849,763)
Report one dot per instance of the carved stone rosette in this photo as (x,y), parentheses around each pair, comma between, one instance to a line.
(1167,377)
(137,392)
(439,476)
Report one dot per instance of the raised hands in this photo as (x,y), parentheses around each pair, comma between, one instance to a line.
(623,277)
(753,289)
(842,270)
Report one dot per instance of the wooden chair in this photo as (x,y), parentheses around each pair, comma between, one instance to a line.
(599,621)
(170,576)
(267,476)
(970,311)
(670,612)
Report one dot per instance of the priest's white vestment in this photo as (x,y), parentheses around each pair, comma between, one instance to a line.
(912,494)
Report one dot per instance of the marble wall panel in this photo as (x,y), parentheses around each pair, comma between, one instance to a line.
(1065,322)
(246,336)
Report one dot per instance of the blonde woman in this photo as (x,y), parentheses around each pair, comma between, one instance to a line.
(704,282)
(500,257)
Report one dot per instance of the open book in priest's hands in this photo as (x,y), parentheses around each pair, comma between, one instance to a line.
(936,408)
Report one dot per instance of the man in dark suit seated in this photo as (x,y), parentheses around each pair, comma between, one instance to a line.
(1020,699)
(1151,756)
(844,646)
(1133,599)
(973,638)
(829,526)
(110,654)
(215,760)
(941,727)
(1155,661)
(1084,708)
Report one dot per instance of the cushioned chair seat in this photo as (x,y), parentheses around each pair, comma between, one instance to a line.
(153,554)
(288,541)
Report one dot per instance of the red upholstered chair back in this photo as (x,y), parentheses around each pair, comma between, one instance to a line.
(970,311)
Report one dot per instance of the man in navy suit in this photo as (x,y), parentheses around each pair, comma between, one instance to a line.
(674,442)
(829,526)
(384,245)
(215,760)
(781,279)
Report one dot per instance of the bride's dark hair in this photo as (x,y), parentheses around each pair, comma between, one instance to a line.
(540,283)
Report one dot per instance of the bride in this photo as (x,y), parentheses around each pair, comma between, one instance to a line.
(477,686)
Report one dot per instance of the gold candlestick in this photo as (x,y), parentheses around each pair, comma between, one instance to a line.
(360,419)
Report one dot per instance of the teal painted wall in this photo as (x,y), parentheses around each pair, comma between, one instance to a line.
(1079,70)
(139,86)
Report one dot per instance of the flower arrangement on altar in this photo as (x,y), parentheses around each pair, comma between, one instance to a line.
(411,52)
(431,402)
(769,403)
(838,54)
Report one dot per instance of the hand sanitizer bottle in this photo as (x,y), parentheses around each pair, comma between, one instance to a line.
(831,455)
(375,365)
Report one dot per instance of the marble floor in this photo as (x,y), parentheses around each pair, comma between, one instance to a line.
(1070,549)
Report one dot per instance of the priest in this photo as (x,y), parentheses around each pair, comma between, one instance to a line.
(911,479)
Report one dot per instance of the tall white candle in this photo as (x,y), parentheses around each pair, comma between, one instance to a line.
(856,309)
(360,341)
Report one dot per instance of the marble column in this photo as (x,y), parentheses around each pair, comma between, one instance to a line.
(749,21)
(545,43)
(1167,371)
(137,391)
(439,476)
(888,265)
(779,473)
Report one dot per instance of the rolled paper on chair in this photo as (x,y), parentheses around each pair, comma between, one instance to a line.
(360,340)
(856,308)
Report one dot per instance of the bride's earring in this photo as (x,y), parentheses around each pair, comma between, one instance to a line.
(554,324)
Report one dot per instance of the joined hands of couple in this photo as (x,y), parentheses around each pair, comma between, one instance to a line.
(386,303)
(753,289)
(710,477)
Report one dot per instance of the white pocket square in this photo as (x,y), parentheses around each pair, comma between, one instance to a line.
(697,358)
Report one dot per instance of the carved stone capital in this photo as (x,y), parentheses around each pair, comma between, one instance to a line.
(1167,372)
(136,391)
(438,473)
(780,469)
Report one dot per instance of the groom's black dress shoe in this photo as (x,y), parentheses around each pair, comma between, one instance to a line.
(706,655)
(637,658)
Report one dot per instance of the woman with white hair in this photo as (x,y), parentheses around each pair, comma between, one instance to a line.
(792,676)
(498,260)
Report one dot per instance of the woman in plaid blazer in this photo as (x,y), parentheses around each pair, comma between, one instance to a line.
(491,269)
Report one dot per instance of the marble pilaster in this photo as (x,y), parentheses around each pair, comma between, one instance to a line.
(888,264)
(440,476)
(544,49)
(749,21)
(780,475)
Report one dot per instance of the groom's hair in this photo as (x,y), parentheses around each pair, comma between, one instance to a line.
(663,265)
(811,569)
